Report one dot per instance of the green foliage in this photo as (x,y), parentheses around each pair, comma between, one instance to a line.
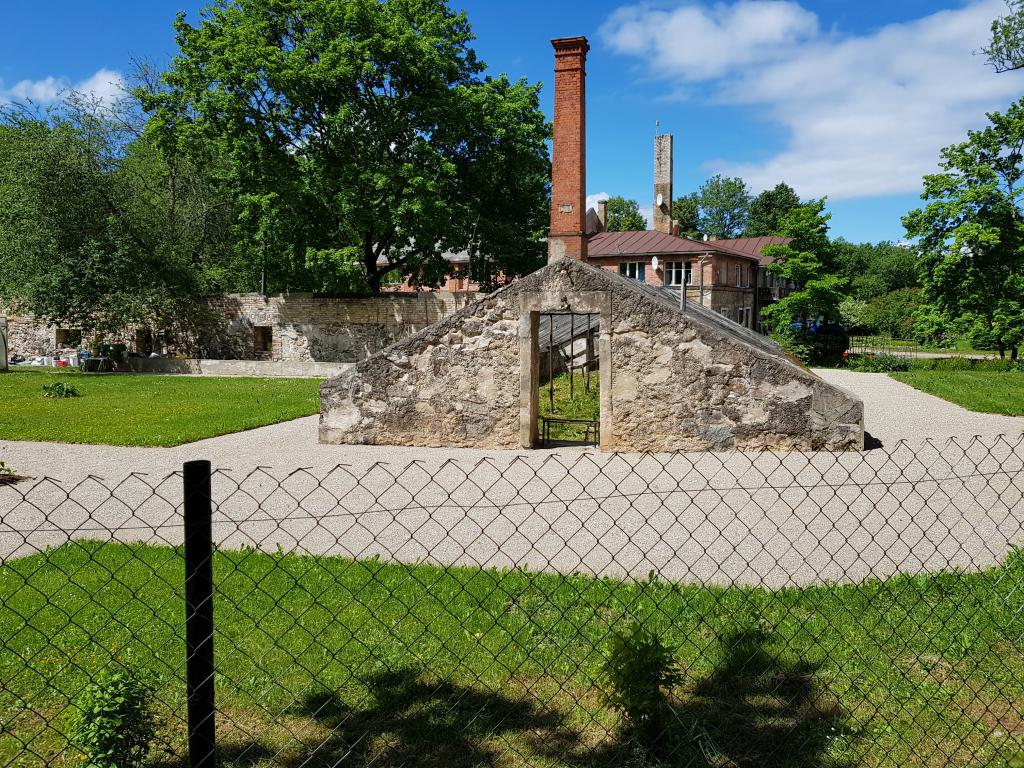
(115,723)
(972,233)
(358,128)
(853,315)
(724,206)
(638,669)
(882,363)
(579,404)
(5,470)
(624,216)
(894,314)
(817,294)
(1005,51)
(686,210)
(874,269)
(59,389)
(768,209)
(97,227)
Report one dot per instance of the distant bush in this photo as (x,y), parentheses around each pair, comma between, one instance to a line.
(871,363)
(59,389)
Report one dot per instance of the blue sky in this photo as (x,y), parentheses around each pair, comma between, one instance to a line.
(849,99)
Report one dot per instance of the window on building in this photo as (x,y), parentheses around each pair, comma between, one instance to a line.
(634,270)
(724,311)
(677,271)
(263,339)
(739,280)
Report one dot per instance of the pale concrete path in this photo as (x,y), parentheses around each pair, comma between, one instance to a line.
(896,411)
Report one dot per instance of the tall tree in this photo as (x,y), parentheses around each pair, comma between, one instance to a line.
(359,132)
(686,210)
(768,209)
(97,228)
(1005,51)
(806,261)
(874,269)
(624,215)
(972,232)
(724,206)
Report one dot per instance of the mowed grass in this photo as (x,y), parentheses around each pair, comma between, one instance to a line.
(327,661)
(984,391)
(146,410)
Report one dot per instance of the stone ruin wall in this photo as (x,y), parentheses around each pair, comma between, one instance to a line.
(304,327)
(453,384)
(677,382)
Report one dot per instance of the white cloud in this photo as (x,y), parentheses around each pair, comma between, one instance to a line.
(866,115)
(104,84)
(593,199)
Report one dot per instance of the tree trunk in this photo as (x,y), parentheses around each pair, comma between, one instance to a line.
(1013,354)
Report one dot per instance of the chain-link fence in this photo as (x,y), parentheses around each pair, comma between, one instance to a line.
(797,608)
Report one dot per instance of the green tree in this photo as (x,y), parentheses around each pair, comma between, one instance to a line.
(624,215)
(364,132)
(686,210)
(875,269)
(97,228)
(972,234)
(894,314)
(768,208)
(1005,51)
(724,206)
(818,292)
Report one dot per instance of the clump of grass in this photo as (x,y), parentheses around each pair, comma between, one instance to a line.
(580,404)
(58,389)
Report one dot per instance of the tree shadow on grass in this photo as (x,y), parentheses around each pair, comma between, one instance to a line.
(755,709)
(414,721)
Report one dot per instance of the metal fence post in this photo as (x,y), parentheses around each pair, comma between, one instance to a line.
(199,614)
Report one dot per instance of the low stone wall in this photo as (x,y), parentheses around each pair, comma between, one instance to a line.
(669,380)
(298,327)
(302,369)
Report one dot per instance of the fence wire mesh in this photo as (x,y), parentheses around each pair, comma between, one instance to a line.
(819,609)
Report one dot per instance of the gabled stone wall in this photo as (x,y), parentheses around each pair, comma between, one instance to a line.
(669,381)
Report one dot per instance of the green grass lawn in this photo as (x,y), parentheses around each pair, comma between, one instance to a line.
(984,391)
(420,665)
(581,405)
(129,409)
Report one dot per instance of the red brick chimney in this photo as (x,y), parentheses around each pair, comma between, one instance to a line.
(569,151)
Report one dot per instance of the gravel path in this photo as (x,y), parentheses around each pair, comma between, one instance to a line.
(896,411)
(774,519)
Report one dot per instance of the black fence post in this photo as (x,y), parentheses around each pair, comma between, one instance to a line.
(199,614)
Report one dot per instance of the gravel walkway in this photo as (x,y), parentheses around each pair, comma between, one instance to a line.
(774,519)
(896,411)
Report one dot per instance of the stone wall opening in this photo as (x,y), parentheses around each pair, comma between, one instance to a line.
(578,324)
(569,379)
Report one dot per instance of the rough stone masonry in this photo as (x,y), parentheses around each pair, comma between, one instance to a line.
(670,380)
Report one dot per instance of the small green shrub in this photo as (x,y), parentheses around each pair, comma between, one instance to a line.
(882,363)
(5,471)
(58,389)
(638,669)
(115,722)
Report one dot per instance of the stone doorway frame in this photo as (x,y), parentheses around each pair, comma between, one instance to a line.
(562,302)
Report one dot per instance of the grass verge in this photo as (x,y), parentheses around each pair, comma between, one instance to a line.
(327,661)
(146,410)
(983,391)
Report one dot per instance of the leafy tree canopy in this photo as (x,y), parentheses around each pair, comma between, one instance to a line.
(1005,51)
(686,210)
(875,269)
(724,206)
(972,233)
(97,228)
(768,208)
(359,132)
(624,216)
